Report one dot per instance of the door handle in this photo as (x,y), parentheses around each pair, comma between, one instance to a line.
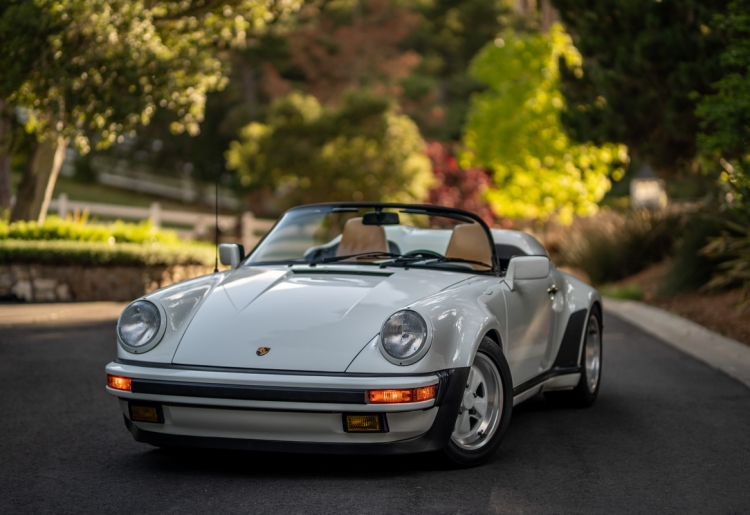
(552,290)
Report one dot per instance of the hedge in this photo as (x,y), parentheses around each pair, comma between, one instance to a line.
(58,252)
(55,228)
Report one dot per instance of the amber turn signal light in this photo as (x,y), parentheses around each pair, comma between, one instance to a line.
(119,383)
(401,396)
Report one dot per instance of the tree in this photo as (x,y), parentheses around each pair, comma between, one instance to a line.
(725,115)
(307,153)
(645,63)
(457,187)
(104,68)
(22,32)
(725,120)
(450,35)
(514,129)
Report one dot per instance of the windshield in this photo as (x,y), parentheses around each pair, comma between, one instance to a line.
(401,236)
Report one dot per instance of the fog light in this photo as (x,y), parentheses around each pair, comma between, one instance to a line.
(401,396)
(145,413)
(364,424)
(119,383)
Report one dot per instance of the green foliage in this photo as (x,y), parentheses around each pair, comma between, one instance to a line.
(514,129)
(54,228)
(615,247)
(690,268)
(450,35)
(726,139)
(726,114)
(733,248)
(628,292)
(308,153)
(644,64)
(81,66)
(102,254)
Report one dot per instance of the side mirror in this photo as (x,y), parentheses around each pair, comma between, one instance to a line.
(526,267)
(231,254)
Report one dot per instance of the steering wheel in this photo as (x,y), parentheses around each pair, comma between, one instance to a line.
(423,253)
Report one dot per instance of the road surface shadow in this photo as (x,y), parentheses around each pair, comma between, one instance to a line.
(243,463)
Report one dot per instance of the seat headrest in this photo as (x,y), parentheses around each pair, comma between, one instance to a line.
(358,238)
(469,241)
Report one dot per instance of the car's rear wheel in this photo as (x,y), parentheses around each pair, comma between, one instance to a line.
(485,410)
(587,389)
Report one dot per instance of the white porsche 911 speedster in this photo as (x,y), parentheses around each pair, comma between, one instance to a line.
(363,328)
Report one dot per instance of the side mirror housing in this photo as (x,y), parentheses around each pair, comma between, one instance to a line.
(231,254)
(526,267)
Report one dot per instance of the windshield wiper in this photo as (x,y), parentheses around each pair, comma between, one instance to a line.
(428,260)
(362,255)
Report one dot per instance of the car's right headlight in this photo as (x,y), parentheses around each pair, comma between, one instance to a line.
(139,326)
(404,337)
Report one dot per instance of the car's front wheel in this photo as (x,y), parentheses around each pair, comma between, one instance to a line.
(485,410)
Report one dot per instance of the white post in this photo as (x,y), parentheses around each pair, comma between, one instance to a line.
(62,205)
(155,214)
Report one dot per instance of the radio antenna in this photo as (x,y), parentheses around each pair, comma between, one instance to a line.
(216,231)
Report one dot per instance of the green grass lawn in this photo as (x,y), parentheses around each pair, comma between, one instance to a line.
(101,193)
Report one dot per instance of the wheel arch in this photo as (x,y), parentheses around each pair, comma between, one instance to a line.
(493,335)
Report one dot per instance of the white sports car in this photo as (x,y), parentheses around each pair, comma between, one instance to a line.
(359,328)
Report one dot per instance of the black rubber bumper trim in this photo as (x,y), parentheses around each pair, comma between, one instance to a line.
(434,439)
(567,355)
(248,393)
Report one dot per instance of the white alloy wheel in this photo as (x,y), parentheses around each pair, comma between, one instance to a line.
(593,354)
(481,407)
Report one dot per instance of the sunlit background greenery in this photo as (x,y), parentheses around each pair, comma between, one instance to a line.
(535,113)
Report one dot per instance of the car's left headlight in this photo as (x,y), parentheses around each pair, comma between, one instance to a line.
(139,327)
(404,337)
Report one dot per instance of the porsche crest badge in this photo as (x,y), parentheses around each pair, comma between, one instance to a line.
(262,351)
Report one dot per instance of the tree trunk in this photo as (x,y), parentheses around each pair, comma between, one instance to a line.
(5,142)
(249,88)
(39,177)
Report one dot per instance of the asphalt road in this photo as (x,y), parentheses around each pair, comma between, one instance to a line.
(667,435)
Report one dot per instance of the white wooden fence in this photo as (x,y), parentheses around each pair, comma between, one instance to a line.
(246,226)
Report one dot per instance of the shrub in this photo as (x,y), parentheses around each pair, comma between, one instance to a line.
(609,248)
(103,254)
(733,247)
(457,187)
(691,268)
(54,228)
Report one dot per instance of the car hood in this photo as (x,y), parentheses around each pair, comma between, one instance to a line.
(311,319)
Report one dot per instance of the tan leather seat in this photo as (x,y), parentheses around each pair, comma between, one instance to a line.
(469,241)
(358,238)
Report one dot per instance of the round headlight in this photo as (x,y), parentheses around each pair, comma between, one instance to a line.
(404,336)
(139,324)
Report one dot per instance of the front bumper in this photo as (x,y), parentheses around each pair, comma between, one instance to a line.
(288,412)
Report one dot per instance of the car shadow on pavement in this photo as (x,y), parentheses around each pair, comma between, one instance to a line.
(249,463)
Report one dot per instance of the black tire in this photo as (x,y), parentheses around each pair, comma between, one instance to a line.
(464,456)
(583,396)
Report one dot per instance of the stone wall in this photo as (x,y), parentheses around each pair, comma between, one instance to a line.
(45,283)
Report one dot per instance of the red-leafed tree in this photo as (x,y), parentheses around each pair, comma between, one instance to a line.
(458,187)
(361,51)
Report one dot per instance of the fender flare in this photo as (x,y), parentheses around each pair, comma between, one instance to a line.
(571,346)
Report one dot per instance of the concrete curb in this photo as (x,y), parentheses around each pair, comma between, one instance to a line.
(717,351)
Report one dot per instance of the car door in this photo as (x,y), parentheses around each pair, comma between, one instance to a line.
(530,326)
